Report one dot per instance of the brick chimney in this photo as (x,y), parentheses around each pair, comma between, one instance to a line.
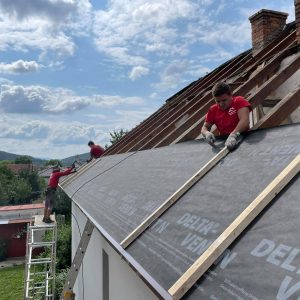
(297,18)
(266,26)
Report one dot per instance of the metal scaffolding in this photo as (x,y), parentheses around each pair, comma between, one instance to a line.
(40,271)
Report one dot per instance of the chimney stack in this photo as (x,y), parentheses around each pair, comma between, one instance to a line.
(266,26)
(297,19)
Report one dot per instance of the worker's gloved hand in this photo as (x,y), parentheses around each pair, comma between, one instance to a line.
(232,140)
(209,136)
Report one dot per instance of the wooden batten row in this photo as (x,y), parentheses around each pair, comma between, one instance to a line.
(157,118)
(176,113)
(195,121)
(280,111)
(150,134)
(167,135)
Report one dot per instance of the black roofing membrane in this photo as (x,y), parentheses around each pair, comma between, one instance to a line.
(171,245)
(265,262)
(122,190)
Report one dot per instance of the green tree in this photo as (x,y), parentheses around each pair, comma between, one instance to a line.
(62,204)
(54,162)
(19,191)
(6,176)
(37,183)
(115,136)
(6,162)
(63,246)
(23,160)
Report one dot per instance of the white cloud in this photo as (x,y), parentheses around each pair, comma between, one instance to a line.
(109,100)
(5,81)
(57,10)
(197,70)
(57,137)
(139,26)
(61,133)
(172,75)
(30,130)
(217,55)
(47,26)
(137,72)
(20,66)
(219,34)
(39,99)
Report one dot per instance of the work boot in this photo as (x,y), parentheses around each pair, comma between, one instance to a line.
(48,221)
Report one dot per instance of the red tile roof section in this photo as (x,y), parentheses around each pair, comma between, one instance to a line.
(17,221)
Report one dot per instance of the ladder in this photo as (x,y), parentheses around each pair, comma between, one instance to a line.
(40,272)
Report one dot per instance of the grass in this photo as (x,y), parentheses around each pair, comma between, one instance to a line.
(12,283)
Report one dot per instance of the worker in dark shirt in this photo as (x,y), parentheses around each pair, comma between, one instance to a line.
(51,189)
(96,151)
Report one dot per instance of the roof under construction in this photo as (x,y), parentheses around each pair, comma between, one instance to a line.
(254,75)
(200,222)
(118,192)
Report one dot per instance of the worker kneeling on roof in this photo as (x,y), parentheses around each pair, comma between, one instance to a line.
(51,189)
(95,152)
(230,114)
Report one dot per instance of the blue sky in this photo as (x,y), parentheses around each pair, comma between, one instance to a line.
(74,70)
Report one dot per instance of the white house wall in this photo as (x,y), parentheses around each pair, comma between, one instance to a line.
(124,283)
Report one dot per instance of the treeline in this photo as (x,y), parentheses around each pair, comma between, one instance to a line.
(19,188)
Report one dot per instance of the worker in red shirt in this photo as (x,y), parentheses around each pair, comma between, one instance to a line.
(51,189)
(96,151)
(230,114)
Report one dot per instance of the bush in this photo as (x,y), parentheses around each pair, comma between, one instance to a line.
(23,160)
(63,246)
(63,255)
(60,280)
(62,204)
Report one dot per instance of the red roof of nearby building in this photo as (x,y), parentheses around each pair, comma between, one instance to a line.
(22,207)
(16,221)
(17,168)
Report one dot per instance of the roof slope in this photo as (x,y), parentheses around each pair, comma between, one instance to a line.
(182,116)
(119,191)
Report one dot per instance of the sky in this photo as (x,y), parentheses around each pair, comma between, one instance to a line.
(74,70)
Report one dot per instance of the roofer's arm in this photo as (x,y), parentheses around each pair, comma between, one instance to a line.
(242,126)
(91,157)
(209,136)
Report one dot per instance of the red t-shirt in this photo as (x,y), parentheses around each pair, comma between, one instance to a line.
(226,120)
(54,178)
(96,151)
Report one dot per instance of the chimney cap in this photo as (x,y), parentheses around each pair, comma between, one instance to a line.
(268,12)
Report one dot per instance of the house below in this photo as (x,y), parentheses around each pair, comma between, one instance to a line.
(13,226)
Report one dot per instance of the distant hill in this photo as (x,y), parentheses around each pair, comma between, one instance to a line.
(12,156)
(80,158)
(8,156)
(37,161)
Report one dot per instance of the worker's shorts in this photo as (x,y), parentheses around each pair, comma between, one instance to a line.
(50,196)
